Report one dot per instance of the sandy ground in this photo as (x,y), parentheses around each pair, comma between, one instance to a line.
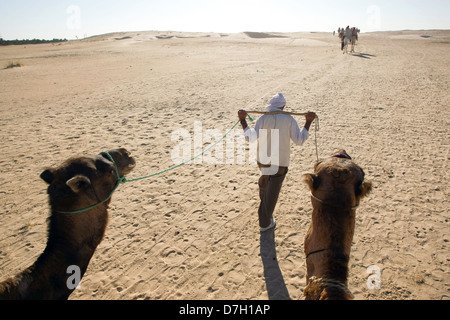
(192,233)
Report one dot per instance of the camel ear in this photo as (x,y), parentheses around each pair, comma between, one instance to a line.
(311,180)
(48,175)
(78,182)
(366,188)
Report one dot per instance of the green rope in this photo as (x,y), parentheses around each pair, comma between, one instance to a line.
(95,205)
(122,180)
(187,161)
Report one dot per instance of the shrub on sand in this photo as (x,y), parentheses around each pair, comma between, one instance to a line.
(13,65)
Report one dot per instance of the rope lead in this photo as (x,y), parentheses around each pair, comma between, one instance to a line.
(123,180)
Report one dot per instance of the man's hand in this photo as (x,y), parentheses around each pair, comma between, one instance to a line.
(242,114)
(310,116)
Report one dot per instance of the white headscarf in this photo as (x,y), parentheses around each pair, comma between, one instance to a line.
(276,103)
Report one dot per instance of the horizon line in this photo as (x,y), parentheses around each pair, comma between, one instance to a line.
(215,32)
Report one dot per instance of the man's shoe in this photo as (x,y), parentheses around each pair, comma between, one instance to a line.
(271,225)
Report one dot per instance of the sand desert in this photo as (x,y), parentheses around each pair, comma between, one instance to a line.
(192,232)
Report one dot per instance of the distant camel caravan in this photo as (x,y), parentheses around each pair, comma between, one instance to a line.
(337,186)
(348,36)
(84,183)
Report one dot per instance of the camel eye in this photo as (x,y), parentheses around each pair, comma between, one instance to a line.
(103,166)
(358,188)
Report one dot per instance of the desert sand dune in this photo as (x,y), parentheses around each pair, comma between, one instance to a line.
(192,233)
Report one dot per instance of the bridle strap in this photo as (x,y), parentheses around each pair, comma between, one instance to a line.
(342,156)
(314,252)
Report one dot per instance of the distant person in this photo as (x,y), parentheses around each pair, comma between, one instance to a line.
(348,32)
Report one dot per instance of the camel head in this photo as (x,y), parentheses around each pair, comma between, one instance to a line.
(337,186)
(73,235)
(338,180)
(81,182)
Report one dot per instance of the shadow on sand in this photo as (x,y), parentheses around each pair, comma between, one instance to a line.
(363,55)
(276,287)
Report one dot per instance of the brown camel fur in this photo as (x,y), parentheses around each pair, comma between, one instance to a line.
(72,238)
(337,186)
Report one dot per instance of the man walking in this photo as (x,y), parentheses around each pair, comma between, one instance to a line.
(274,132)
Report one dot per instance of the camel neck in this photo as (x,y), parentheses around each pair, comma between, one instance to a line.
(54,267)
(50,277)
(341,226)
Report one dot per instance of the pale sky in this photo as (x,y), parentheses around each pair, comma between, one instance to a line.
(48,19)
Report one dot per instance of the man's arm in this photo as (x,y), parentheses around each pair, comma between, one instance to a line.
(251,135)
(300,136)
